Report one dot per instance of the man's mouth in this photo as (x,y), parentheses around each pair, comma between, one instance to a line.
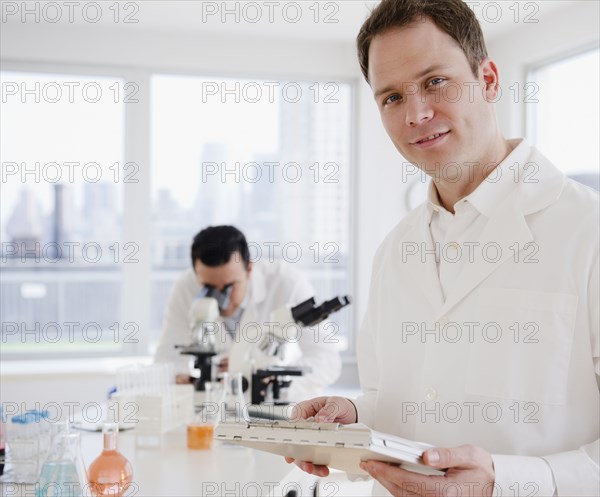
(430,138)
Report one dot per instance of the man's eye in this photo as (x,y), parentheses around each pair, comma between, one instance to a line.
(391,99)
(435,81)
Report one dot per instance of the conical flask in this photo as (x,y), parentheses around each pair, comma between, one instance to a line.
(63,472)
(111,473)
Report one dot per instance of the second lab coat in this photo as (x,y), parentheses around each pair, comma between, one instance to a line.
(272,286)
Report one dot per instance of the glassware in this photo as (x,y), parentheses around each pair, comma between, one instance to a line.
(24,444)
(63,473)
(232,403)
(200,430)
(56,429)
(44,434)
(111,473)
(200,433)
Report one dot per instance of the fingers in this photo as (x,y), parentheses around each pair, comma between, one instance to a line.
(313,469)
(462,462)
(307,408)
(308,467)
(337,409)
(465,456)
(325,410)
(374,470)
(328,413)
(408,481)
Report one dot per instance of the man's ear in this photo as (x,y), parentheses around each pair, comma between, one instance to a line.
(249,269)
(488,72)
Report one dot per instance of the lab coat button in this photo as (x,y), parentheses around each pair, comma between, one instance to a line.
(430,394)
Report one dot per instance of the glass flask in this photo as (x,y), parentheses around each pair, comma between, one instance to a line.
(63,472)
(232,401)
(110,473)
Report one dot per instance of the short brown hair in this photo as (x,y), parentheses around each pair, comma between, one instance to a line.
(454,17)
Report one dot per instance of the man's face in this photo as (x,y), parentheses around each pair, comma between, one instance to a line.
(424,86)
(233,273)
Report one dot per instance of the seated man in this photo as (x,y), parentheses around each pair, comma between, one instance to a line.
(221,259)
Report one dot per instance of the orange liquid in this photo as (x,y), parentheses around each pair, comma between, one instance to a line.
(199,436)
(110,474)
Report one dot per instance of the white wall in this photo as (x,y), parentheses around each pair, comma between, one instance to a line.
(183,51)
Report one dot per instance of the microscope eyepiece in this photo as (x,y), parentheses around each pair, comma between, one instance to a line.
(306,314)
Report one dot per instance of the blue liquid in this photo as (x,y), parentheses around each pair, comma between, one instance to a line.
(58,479)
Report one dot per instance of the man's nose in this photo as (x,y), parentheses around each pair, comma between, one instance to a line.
(418,110)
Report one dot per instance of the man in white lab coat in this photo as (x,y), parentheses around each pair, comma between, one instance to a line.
(481,332)
(221,259)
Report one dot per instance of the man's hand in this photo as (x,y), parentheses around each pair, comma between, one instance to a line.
(224,365)
(469,471)
(182,379)
(324,410)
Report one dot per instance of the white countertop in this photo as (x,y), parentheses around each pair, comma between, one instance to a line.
(169,468)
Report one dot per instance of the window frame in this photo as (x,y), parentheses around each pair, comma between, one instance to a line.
(530,114)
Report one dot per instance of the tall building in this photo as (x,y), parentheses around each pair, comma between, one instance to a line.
(316,134)
(260,201)
(218,196)
(24,226)
(173,232)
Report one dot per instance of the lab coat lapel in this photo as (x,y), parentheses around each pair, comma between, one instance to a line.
(505,233)
(421,267)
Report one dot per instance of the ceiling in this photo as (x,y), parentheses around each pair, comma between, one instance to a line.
(324,20)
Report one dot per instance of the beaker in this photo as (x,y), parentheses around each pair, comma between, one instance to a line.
(63,472)
(200,429)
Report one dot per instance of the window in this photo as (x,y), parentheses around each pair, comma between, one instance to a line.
(278,167)
(61,211)
(564,124)
(270,157)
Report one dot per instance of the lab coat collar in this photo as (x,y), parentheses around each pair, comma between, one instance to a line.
(525,169)
(499,182)
(539,184)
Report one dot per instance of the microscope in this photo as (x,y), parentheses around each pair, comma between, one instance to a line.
(205,321)
(266,364)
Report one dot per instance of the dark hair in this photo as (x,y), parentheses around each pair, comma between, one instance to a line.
(454,17)
(214,246)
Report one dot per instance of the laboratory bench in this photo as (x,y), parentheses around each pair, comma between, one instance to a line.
(164,466)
